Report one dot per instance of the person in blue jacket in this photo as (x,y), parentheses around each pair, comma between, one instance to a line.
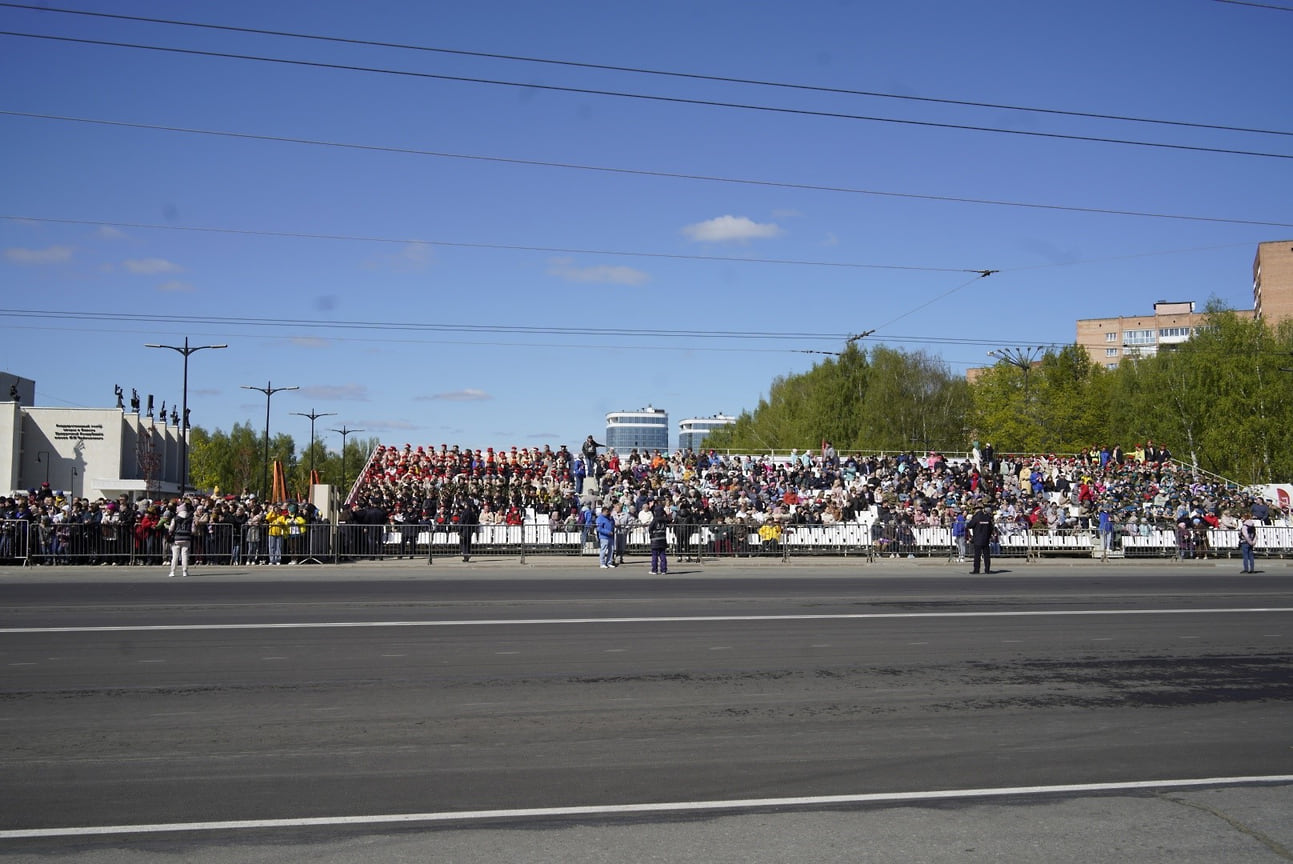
(606,537)
(958,535)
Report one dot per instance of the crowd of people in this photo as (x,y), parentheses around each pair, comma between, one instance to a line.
(1129,492)
(47,526)
(1102,489)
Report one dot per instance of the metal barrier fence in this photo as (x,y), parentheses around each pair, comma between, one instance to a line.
(39,543)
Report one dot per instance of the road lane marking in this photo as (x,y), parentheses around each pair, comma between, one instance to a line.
(662,807)
(680,619)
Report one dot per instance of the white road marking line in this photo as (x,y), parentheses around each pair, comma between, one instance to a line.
(1102,639)
(697,619)
(395,655)
(663,807)
(720,648)
(263,659)
(31,663)
(150,661)
(1190,637)
(507,652)
(615,650)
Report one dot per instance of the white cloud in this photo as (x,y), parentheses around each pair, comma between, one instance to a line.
(465,395)
(48,255)
(372,425)
(831,239)
(337,392)
(412,258)
(175,286)
(108,232)
(730,229)
(150,266)
(565,268)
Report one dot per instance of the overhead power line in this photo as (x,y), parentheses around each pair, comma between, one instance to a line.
(639,70)
(152,321)
(1257,5)
(498,246)
(675,100)
(315,324)
(640,172)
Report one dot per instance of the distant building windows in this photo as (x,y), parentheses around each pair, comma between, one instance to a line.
(1139,337)
(645,429)
(1175,332)
(692,431)
(1111,336)
(1111,352)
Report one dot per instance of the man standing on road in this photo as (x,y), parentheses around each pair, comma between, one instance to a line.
(980,529)
(1247,542)
(606,538)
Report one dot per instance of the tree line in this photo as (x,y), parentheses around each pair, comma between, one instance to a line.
(234,461)
(1223,400)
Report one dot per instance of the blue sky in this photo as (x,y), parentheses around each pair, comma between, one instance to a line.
(438,261)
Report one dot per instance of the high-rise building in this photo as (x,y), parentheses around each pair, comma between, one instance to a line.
(645,429)
(1273,281)
(692,431)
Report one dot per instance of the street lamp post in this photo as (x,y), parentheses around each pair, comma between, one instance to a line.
(314,415)
(269,390)
(186,349)
(343,432)
(1023,360)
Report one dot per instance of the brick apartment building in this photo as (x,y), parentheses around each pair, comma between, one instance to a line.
(1109,340)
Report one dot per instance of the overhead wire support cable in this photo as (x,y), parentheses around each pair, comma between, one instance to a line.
(648,97)
(664,73)
(638,172)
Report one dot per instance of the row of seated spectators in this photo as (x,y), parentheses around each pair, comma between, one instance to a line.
(453,484)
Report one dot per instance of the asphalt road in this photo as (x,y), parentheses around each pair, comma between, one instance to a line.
(444,705)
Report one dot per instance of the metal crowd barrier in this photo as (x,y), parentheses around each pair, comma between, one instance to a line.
(219,544)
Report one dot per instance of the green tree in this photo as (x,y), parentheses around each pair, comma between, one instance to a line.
(227,461)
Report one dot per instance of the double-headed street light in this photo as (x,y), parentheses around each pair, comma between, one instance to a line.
(186,349)
(343,432)
(269,390)
(313,415)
